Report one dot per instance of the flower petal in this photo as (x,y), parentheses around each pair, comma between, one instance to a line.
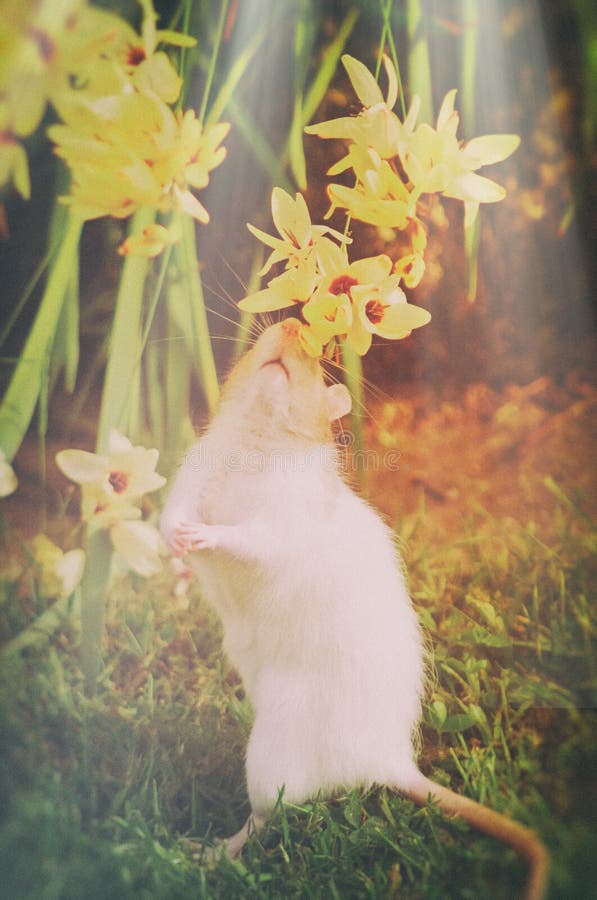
(81,466)
(8,479)
(189,203)
(118,442)
(475,187)
(400,319)
(365,86)
(69,569)
(291,217)
(489,148)
(392,82)
(139,543)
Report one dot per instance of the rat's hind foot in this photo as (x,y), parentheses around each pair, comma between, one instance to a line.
(229,847)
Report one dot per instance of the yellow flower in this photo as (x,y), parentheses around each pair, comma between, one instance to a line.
(151,241)
(380,198)
(376,126)
(60,573)
(112,481)
(328,316)
(54,52)
(297,245)
(140,545)
(8,479)
(436,162)
(395,163)
(385,312)
(131,150)
(111,486)
(299,238)
(294,285)
(410,269)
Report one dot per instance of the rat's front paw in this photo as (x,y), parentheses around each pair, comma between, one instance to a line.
(191,536)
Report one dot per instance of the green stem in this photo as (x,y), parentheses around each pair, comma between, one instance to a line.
(386,35)
(467,100)
(419,72)
(467,66)
(190,271)
(121,394)
(25,386)
(93,592)
(213,59)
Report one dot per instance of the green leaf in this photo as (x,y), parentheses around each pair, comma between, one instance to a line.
(26,383)
(458,722)
(437,714)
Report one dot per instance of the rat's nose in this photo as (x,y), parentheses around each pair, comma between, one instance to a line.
(291,327)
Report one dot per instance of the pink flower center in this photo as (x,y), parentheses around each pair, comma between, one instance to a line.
(119,481)
(374,310)
(135,56)
(342,285)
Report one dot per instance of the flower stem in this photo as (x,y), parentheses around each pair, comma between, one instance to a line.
(93,591)
(213,60)
(205,356)
(419,73)
(121,394)
(467,74)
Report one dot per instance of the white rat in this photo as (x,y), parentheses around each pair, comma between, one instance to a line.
(307,581)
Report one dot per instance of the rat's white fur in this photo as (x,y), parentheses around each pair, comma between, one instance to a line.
(308,583)
(316,616)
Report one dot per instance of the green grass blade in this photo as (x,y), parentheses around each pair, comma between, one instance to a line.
(213,59)
(296,150)
(25,386)
(258,144)
(236,73)
(328,66)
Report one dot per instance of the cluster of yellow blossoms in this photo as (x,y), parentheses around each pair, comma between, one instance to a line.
(394,163)
(113,91)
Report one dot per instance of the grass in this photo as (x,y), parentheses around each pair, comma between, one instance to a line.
(100,791)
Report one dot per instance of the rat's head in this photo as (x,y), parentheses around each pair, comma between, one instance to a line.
(277,390)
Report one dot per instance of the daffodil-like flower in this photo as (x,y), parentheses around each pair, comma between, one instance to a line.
(112,485)
(130,150)
(8,479)
(395,163)
(297,246)
(436,162)
(376,126)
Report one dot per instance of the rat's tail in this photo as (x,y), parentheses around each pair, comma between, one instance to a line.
(522,839)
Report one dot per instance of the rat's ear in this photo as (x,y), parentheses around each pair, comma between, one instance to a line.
(339,401)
